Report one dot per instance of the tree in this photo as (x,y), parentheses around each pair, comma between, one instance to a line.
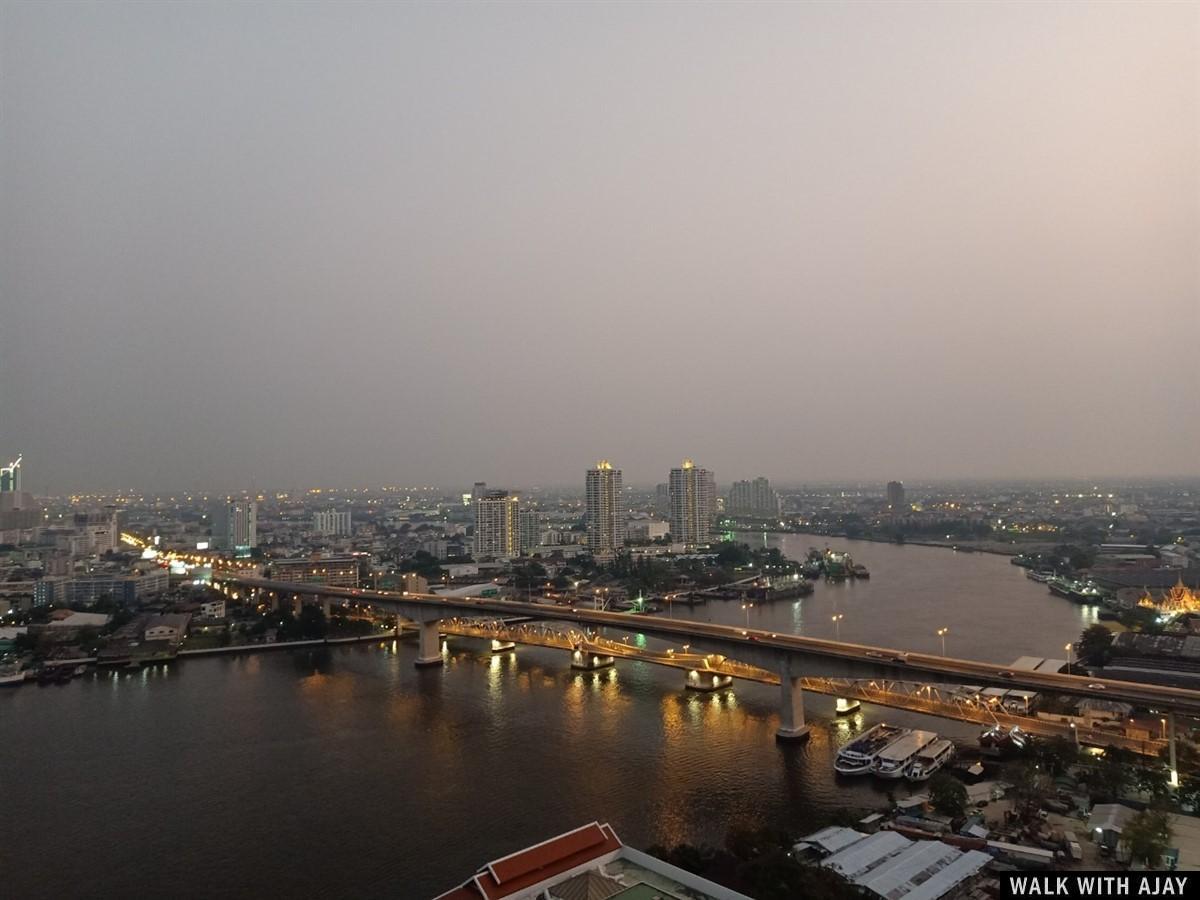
(1152,780)
(1113,774)
(948,795)
(1056,755)
(1031,787)
(1094,644)
(1147,836)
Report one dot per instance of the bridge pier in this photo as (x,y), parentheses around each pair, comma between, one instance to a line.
(326,606)
(430,647)
(706,681)
(588,661)
(791,708)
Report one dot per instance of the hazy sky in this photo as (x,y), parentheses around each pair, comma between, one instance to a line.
(282,245)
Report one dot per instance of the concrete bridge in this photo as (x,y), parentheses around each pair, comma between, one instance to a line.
(792,657)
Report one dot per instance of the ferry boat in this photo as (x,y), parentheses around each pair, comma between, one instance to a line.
(894,759)
(1040,577)
(930,759)
(857,757)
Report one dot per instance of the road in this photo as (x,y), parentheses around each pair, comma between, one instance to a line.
(852,660)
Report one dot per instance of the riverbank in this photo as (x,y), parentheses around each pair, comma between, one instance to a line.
(993,547)
(287,645)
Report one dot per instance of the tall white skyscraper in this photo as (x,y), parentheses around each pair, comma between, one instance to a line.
(605,512)
(693,493)
(497,524)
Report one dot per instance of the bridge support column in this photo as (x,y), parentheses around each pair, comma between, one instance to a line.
(297,604)
(582,658)
(1171,749)
(326,606)
(274,602)
(791,707)
(430,652)
(706,681)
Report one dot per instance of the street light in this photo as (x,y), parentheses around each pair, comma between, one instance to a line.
(941,632)
(1163,722)
(1070,649)
(837,624)
(747,607)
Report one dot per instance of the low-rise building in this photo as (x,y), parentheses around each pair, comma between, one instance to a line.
(171,627)
(588,862)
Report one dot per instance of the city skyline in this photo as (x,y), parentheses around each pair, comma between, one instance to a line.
(958,242)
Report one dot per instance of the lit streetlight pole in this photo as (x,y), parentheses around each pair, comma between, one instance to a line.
(837,625)
(942,632)
(1070,648)
(747,607)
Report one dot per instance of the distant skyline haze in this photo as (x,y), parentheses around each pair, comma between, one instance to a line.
(287,245)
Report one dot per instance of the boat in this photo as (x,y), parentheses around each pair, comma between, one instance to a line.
(857,757)
(860,571)
(1040,577)
(846,705)
(999,739)
(1059,587)
(894,759)
(930,759)
(11,674)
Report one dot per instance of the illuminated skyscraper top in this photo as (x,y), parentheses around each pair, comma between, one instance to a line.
(10,477)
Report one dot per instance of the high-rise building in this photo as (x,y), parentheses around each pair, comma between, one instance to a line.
(530,527)
(693,503)
(99,530)
(662,499)
(332,522)
(753,498)
(478,490)
(497,524)
(605,515)
(895,495)
(235,525)
(10,477)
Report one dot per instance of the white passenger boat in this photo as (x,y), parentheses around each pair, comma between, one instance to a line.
(857,757)
(930,759)
(894,759)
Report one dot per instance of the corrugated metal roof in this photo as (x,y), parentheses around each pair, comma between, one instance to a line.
(944,880)
(834,838)
(862,856)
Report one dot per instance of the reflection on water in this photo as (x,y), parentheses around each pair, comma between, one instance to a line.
(403,780)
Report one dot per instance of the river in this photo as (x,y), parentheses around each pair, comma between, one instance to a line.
(348,771)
